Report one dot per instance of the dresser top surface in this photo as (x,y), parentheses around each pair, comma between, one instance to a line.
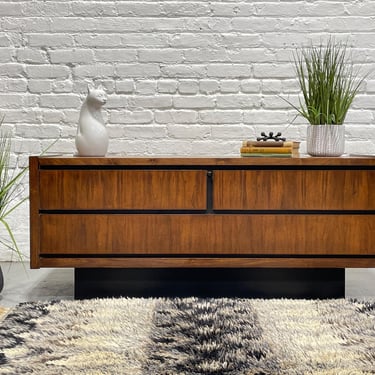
(60,160)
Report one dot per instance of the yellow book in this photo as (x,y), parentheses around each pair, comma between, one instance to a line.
(267,155)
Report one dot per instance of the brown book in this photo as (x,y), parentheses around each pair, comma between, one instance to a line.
(293,144)
(270,150)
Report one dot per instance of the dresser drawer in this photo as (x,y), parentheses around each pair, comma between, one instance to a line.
(123,189)
(294,190)
(166,234)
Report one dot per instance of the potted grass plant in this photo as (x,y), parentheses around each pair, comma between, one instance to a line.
(10,194)
(329,84)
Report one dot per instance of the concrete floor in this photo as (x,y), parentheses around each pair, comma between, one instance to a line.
(22,284)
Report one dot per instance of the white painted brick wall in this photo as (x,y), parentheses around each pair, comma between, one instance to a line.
(184,77)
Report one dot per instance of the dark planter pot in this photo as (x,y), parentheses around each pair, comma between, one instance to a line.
(1,280)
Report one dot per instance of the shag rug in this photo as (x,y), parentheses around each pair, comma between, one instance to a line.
(189,336)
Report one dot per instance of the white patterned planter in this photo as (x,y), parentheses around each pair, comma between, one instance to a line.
(325,140)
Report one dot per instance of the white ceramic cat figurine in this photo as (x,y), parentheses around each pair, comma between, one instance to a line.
(92,136)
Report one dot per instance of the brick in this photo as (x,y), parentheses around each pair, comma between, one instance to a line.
(136,9)
(233,9)
(111,55)
(197,55)
(94,71)
(160,55)
(60,101)
(47,71)
(229,131)
(98,40)
(236,40)
(277,102)
(191,40)
(176,147)
(360,9)
(25,117)
(94,8)
(208,86)
(356,132)
(363,101)
(229,70)
(274,71)
(13,85)
(206,24)
(130,117)
(188,87)
(40,85)
(250,85)
(183,71)
(360,117)
(128,147)
(125,86)
(167,86)
(62,86)
(12,70)
(4,40)
(75,56)
(6,54)
(138,70)
(220,117)
(244,55)
(161,101)
(238,101)
(50,40)
(288,40)
(229,86)
(31,24)
(51,116)
(107,84)
(9,9)
(45,8)
(39,131)
(31,56)
(160,39)
(217,148)
(290,86)
(145,87)
(184,9)
(63,146)
(298,9)
(192,132)
(265,117)
(117,101)
(17,100)
(146,132)
(176,117)
(197,102)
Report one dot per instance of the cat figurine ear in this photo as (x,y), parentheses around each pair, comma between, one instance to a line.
(90,88)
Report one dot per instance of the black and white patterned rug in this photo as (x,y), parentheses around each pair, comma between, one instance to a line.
(189,336)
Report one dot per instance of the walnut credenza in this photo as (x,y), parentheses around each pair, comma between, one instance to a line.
(202,213)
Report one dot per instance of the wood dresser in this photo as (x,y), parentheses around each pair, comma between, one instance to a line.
(202,213)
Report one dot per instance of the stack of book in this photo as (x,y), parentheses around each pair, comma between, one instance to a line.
(281,149)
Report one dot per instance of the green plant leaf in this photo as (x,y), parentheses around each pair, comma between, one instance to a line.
(328,83)
(10,183)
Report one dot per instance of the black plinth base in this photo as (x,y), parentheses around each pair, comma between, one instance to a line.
(210,282)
